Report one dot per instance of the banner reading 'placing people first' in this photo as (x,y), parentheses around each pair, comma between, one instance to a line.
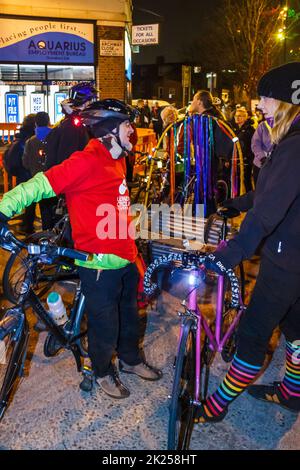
(46,41)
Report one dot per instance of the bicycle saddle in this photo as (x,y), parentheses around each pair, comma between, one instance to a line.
(228,212)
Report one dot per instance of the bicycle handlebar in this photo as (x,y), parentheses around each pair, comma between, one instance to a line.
(193,259)
(9,242)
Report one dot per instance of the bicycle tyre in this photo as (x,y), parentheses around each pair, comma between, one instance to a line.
(12,368)
(46,274)
(181,406)
(229,348)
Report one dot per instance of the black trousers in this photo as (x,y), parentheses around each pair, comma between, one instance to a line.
(113,320)
(275,302)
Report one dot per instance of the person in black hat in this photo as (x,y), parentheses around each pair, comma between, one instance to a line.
(273,220)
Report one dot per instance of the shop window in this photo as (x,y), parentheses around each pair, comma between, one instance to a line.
(68,72)
(32,72)
(8,72)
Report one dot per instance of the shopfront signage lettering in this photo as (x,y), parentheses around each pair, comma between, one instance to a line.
(12,107)
(109,47)
(145,35)
(46,41)
(36,102)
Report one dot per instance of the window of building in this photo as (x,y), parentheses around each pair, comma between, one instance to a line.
(32,72)
(8,72)
(70,72)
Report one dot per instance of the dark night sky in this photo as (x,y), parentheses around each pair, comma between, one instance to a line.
(181,23)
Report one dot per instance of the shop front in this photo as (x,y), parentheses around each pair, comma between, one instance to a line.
(40,59)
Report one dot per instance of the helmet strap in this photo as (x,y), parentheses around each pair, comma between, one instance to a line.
(112,144)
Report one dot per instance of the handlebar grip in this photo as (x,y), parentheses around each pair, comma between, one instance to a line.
(74,254)
(8,240)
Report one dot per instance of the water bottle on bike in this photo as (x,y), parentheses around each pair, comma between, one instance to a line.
(56,308)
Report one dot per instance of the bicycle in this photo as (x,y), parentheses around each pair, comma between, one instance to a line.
(148,185)
(14,328)
(199,341)
(44,274)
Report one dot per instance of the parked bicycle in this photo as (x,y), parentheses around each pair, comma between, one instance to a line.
(199,341)
(14,329)
(43,275)
(147,187)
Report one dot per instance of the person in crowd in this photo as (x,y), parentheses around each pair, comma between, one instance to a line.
(261,145)
(259,115)
(94,184)
(147,111)
(169,115)
(142,119)
(14,166)
(273,219)
(244,130)
(34,160)
(202,104)
(156,119)
(70,135)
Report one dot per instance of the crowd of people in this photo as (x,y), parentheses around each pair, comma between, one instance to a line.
(91,170)
(252,129)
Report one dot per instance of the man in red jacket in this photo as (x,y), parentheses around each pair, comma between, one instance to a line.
(94,183)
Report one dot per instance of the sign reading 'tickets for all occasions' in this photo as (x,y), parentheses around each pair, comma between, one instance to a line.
(145,34)
(46,41)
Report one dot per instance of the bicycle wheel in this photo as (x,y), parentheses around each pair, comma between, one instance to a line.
(181,406)
(229,314)
(13,349)
(43,274)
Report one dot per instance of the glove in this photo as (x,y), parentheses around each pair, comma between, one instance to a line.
(228,203)
(214,262)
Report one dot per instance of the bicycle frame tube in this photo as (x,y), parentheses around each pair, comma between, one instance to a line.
(219,308)
(215,339)
(192,304)
(38,307)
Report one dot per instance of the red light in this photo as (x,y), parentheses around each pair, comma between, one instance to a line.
(77,122)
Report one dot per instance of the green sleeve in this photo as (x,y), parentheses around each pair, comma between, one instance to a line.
(24,194)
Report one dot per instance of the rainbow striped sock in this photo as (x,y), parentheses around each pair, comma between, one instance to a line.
(237,379)
(290,385)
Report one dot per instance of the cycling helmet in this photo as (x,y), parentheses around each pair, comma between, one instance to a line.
(106,110)
(81,93)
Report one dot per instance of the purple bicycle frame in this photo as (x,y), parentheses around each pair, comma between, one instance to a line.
(216,341)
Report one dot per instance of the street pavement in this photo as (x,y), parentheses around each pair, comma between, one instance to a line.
(48,410)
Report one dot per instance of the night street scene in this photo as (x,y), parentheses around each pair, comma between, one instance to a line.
(150,230)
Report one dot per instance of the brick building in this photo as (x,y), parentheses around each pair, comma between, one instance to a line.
(50,48)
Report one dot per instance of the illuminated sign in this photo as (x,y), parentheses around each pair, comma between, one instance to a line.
(12,107)
(46,41)
(37,102)
(58,98)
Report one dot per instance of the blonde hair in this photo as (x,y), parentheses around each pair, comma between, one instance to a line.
(169,115)
(283,117)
